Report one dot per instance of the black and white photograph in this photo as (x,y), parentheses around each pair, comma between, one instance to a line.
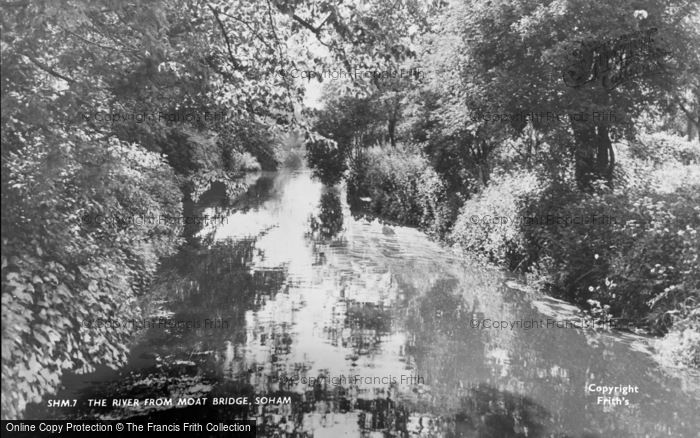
(350,218)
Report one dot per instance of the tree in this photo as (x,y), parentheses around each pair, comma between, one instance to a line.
(564,59)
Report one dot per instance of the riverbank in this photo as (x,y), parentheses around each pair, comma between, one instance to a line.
(627,254)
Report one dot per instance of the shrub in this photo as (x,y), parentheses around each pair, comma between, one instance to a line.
(402,187)
(660,266)
(390,178)
(440,207)
(637,254)
(681,346)
(244,162)
(489,224)
(662,147)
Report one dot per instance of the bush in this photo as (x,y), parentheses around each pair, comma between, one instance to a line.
(76,249)
(660,266)
(390,178)
(636,254)
(402,187)
(662,147)
(681,346)
(440,207)
(489,224)
(244,162)
(568,238)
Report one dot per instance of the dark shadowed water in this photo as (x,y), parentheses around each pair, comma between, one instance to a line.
(371,330)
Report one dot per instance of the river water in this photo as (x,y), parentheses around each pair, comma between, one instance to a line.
(375,330)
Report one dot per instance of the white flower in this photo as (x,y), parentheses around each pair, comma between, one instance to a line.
(640,14)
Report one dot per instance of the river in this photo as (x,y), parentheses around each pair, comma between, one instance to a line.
(375,330)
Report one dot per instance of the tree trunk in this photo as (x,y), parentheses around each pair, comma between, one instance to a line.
(593,155)
(605,155)
(392,131)
(393,120)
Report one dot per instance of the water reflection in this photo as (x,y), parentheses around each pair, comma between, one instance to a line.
(368,330)
(329,222)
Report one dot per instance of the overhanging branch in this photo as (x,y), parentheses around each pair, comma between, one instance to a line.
(235,62)
(50,70)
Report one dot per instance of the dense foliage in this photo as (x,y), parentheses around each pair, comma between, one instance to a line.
(526,156)
(399,184)
(113,113)
(489,225)
(69,260)
(636,253)
(387,184)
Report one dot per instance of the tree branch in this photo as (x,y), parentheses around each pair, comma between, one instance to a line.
(87,41)
(306,24)
(255,33)
(317,32)
(50,70)
(228,42)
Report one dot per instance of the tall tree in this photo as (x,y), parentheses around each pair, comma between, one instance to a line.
(593,66)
